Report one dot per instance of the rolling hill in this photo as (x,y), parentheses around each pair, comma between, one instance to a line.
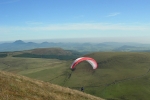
(50,53)
(20,45)
(15,87)
(120,75)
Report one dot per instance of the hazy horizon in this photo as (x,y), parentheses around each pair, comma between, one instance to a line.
(86,40)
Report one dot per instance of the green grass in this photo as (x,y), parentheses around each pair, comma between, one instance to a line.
(120,75)
(135,89)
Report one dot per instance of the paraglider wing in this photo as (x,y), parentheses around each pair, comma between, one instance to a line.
(88,59)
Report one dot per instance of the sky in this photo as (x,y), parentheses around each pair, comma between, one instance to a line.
(75,20)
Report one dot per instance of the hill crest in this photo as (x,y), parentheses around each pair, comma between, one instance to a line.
(20,45)
(15,87)
(52,51)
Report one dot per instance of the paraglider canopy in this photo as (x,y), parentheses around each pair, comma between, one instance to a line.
(88,59)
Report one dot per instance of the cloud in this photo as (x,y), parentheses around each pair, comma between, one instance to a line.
(33,23)
(89,26)
(69,30)
(78,26)
(113,14)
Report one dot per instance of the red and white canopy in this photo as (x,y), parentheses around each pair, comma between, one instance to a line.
(88,59)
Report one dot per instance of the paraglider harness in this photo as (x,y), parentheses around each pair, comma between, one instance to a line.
(82,89)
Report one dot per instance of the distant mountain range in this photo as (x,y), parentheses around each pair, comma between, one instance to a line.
(20,45)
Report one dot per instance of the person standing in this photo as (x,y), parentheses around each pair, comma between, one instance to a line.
(82,89)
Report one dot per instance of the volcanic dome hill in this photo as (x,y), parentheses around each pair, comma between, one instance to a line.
(15,87)
(51,53)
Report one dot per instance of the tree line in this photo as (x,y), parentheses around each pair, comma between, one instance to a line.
(3,55)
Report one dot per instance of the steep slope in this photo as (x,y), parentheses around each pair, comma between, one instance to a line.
(15,87)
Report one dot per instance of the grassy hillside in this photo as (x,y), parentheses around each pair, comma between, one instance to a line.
(50,53)
(14,87)
(120,75)
(126,75)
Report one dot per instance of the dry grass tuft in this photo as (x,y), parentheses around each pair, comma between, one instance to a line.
(15,87)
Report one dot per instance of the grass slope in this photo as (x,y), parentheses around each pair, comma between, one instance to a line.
(120,75)
(14,87)
(49,53)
